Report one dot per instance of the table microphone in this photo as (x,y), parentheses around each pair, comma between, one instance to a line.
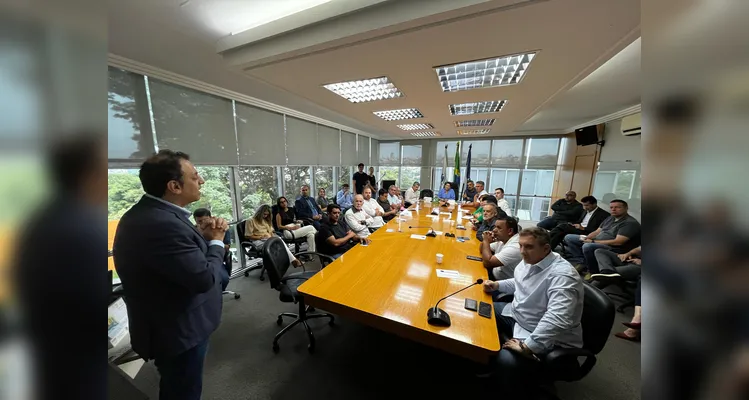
(439,317)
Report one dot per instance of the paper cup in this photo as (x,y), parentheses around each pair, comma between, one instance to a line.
(439,258)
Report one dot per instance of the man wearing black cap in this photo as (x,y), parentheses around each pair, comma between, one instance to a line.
(360,180)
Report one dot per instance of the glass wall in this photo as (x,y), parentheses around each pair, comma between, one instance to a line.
(324,180)
(124,191)
(524,168)
(293,179)
(257,186)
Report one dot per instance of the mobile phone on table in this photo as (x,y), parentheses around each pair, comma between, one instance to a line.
(471,305)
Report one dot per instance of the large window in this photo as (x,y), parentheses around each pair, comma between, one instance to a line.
(124,191)
(293,179)
(390,153)
(409,175)
(257,186)
(524,168)
(215,194)
(324,180)
(388,173)
(344,176)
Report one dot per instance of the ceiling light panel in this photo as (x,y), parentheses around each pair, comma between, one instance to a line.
(415,127)
(491,72)
(480,107)
(396,115)
(475,122)
(425,134)
(365,90)
(474,132)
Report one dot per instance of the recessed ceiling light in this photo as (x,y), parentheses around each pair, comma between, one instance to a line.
(474,132)
(425,134)
(365,90)
(395,115)
(480,107)
(491,72)
(414,127)
(475,122)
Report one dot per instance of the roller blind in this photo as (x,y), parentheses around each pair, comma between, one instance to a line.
(129,125)
(390,153)
(349,155)
(363,149)
(261,136)
(196,123)
(328,146)
(375,144)
(301,141)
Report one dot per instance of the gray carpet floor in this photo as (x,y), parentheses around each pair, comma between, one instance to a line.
(353,361)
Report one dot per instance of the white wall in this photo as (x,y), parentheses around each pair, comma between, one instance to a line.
(619,148)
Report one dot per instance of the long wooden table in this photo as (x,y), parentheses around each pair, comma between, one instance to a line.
(391,284)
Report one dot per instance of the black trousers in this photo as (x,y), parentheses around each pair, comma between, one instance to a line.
(560,231)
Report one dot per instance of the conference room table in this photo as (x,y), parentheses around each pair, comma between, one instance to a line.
(391,284)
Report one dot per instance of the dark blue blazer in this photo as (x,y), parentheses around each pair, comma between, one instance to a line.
(171,279)
(303,209)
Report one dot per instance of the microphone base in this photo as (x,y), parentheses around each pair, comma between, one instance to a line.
(438,317)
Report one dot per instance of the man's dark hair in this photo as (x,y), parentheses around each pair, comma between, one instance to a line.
(490,199)
(71,160)
(161,168)
(360,165)
(345,185)
(381,192)
(501,190)
(201,212)
(480,183)
(332,207)
(511,222)
(624,203)
(589,200)
(541,235)
(469,181)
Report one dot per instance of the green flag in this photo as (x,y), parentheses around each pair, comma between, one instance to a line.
(456,170)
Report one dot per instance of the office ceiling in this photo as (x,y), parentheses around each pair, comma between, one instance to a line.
(586,66)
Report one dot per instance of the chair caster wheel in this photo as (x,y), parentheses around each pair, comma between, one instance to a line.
(236,296)
(311,348)
(246,274)
(262,278)
(276,348)
(311,309)
(331,322)
(279,321)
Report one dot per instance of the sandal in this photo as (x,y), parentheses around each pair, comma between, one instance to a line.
(622,335)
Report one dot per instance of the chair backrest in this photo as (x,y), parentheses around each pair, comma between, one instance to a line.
(275,260)
(426,193)
(598,318)
(240,230)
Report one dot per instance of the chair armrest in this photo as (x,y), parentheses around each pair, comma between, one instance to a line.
(558,362)
(287,278)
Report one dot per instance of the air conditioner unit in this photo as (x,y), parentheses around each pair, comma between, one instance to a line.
(632,125)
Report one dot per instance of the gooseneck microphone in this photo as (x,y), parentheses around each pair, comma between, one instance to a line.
(439,317)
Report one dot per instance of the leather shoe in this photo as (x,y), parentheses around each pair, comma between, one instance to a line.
(622,335)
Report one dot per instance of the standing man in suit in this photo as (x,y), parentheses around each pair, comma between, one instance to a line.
(172,273)
(589,221)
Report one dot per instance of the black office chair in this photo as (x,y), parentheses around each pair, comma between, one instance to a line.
(277,262)
(597,321)
(250,251)
(426,193)
(228,265)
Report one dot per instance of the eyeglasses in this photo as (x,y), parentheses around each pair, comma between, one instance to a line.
(448,234)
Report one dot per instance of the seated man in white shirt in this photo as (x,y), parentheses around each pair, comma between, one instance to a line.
(500,249)
(502,203)
(357,219)
(372,208)
(412,195)
(544,315)
(394,197)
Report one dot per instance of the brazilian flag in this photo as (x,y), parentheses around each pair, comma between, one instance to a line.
(456,171)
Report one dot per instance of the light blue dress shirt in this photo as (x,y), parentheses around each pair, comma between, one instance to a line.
(344,201)
(187,215)
(449,195)
(548,304)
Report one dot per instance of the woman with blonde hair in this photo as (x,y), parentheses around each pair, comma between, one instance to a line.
(259,229)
